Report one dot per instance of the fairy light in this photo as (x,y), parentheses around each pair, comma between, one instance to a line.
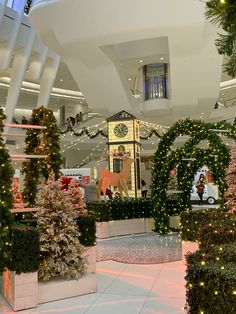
(77,141)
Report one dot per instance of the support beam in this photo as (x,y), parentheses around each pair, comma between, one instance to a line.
(7,48)
(47,81)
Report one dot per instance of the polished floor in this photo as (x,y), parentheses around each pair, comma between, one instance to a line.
(126,289)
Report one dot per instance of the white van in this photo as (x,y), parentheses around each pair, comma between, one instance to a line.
(210,195)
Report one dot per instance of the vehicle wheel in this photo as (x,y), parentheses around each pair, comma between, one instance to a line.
(211,200)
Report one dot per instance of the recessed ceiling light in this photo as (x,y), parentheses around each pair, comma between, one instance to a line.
(162,58)
(129,78)
(61,80)
(141,60)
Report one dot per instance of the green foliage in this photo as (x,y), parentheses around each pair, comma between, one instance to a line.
(222,233)
(193,221)
(41,142)
(24,249)
(60,249)
(87,229)
(166,159)
(121,209)
(210,274)
(6,174)
(223,13)
(211,281)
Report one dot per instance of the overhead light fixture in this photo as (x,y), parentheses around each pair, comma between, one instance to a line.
(61,80)
(129,79)
(141,60)
(162,58)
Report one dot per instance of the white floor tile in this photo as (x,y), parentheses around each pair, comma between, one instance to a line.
(117,304)
(124,289)
(163,305)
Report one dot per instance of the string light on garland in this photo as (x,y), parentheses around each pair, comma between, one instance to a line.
(88,158)
(39,142)
(6,218)
(165,160)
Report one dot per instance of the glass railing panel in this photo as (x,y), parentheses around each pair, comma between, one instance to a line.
(155,81)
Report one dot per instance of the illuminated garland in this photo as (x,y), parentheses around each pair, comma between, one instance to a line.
(165,160)
(6,174)
(41,142)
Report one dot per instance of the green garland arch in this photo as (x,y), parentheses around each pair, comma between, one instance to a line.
(216,157)
(41,142)
(6,219)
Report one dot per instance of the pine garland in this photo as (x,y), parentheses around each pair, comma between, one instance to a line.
(166,159)
(6,200)
(60,250)
(223,13)
(41,142)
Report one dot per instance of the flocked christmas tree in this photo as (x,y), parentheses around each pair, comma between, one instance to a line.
(230,194)
(60,249)
(75,196)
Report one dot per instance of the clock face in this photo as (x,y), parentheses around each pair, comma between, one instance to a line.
(121,130)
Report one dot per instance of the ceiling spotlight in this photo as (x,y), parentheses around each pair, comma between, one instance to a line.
(129,79)
(141,60)
(61,80)
(162,58)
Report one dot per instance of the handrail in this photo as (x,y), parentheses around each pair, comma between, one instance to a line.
(23,126)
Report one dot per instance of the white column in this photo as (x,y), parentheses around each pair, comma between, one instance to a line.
(3,4)
(36,63)
(7,48)
(47,81)
(19,67)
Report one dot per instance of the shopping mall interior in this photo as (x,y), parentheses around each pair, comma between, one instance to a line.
(146,89)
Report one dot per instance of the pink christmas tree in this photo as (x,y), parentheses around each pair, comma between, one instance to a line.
(231,182)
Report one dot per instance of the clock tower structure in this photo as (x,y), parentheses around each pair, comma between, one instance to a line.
(124,136)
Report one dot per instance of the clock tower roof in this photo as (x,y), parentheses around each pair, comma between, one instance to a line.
(122,115)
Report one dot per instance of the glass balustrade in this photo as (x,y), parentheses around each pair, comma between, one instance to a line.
(155,81)
(16,4)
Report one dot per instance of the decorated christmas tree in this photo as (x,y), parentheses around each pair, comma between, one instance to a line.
(75,196)
(60,249)
(6,219)
(231,182)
